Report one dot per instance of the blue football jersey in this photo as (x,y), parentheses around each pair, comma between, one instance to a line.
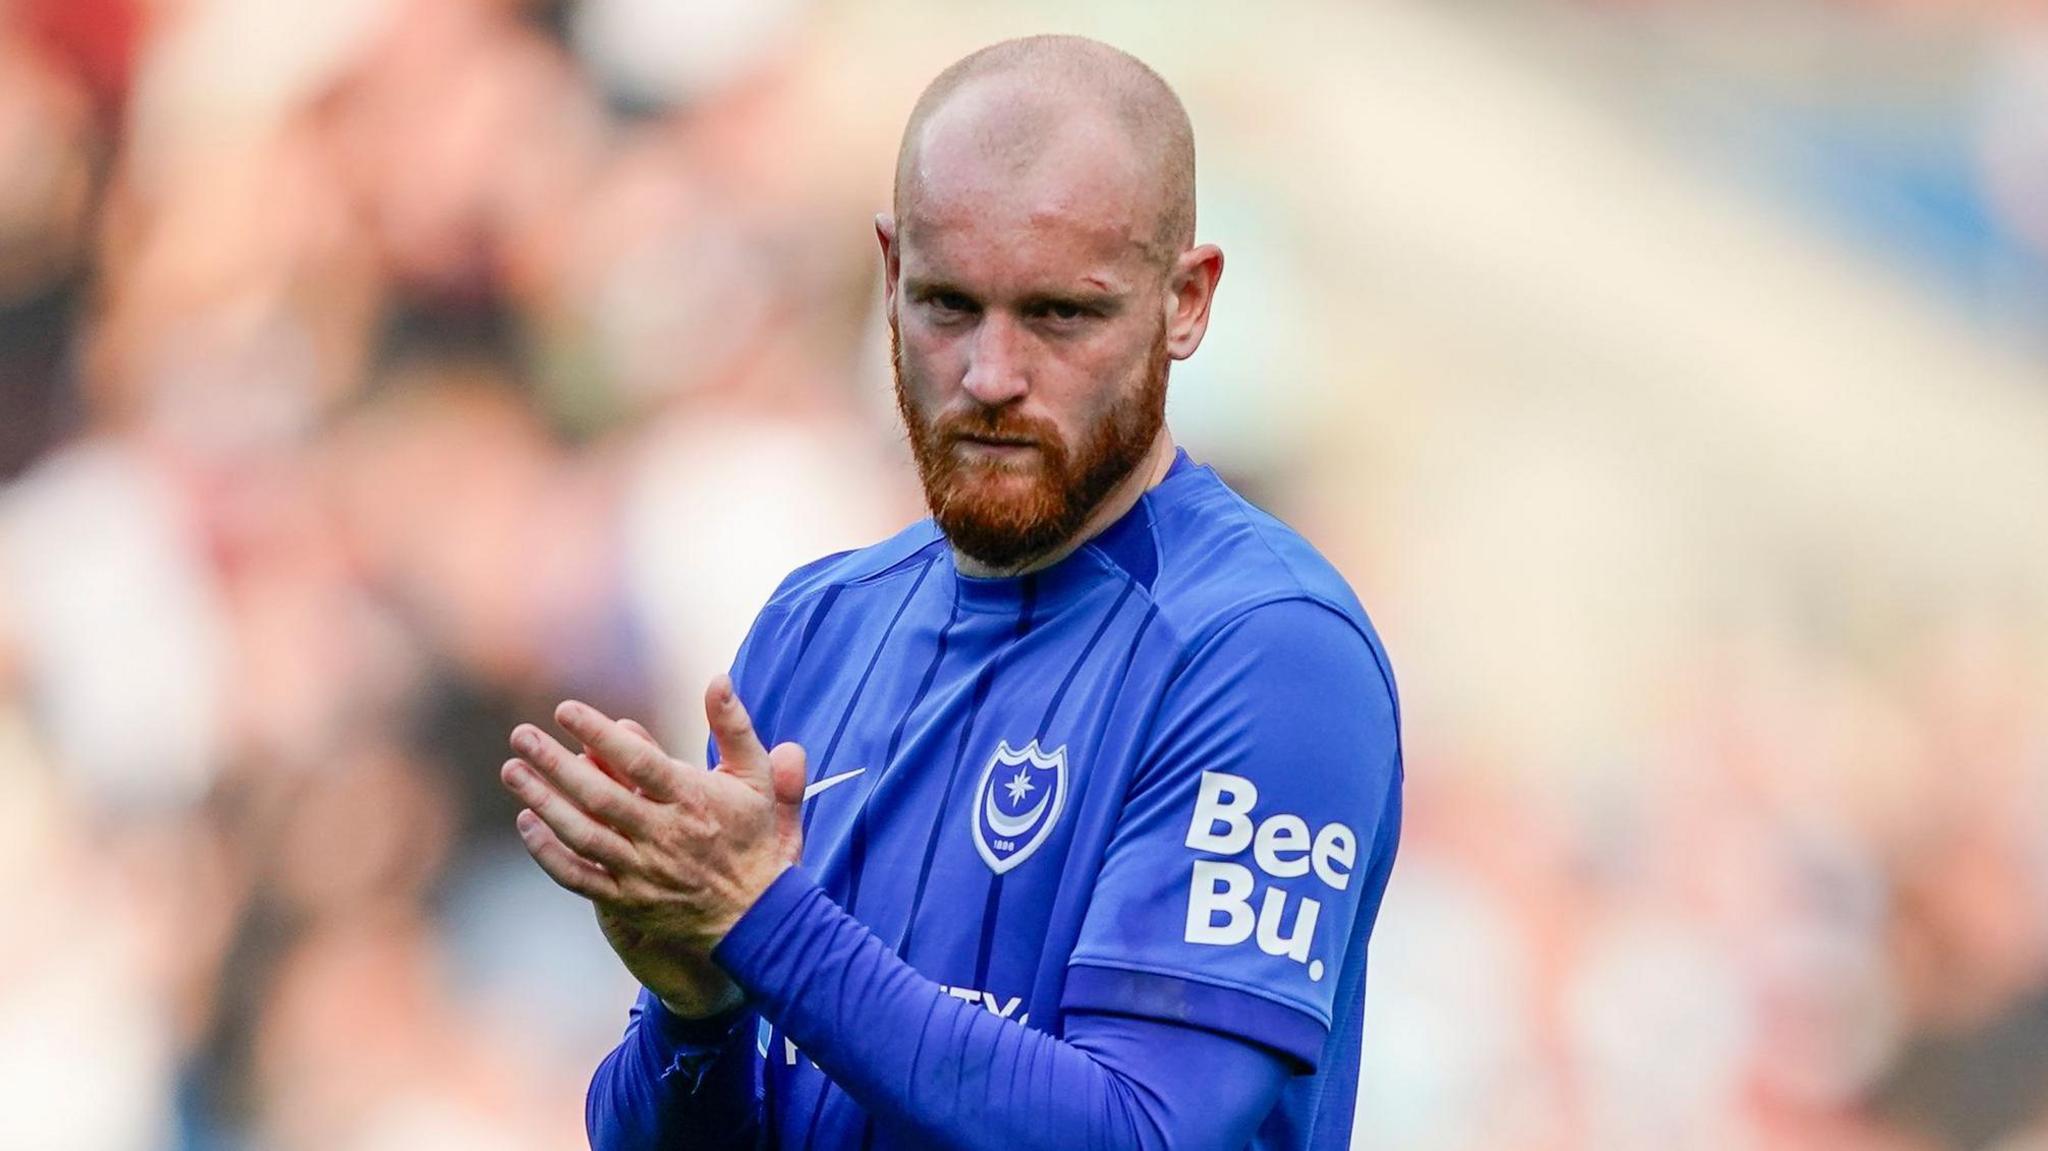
(1159,778)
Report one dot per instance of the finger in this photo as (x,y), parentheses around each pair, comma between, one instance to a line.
(739,747)
(788,771)
(571,871)
(580,779)
(571,824)
(633,757)
(635,727)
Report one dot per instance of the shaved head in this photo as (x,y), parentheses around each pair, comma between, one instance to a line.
(1047,107)
(1040,275)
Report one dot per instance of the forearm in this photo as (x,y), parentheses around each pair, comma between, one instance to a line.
(662,1086)
(964,1078)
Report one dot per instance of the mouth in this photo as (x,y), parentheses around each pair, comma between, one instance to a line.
(998,445)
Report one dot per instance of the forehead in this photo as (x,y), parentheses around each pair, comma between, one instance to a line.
(998,192)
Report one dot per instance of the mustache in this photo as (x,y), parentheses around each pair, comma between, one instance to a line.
(986,423)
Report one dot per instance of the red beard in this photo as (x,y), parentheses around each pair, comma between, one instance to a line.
(1005,514)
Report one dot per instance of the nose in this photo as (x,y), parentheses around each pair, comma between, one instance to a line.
(996,373)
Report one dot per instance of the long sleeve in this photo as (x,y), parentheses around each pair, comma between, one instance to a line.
(962,1077)
(675,1084)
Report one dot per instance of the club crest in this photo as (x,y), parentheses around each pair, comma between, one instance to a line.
(1017,802)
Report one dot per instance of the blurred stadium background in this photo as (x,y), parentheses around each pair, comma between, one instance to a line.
(1670,378)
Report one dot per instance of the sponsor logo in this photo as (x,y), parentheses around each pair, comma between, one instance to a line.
(831,781)
(996,1005)
(1227,903)
(1000,1006)
(1017,802)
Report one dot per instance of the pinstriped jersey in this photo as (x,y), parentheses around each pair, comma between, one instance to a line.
(1158,778)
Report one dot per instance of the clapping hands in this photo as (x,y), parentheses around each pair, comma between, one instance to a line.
(670,855)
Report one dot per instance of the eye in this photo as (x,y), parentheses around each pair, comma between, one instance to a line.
(950,303)
(1066,314)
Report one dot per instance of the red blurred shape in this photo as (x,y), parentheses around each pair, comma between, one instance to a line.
(95,40)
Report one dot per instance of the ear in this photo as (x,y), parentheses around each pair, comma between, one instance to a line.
(892,263)
(1191,286)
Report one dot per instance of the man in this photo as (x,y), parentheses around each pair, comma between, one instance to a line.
(1088,787)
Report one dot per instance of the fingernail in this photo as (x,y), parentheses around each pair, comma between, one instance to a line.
(526,740)
(527,821)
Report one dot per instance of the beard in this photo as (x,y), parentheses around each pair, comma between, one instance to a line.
(1003,513)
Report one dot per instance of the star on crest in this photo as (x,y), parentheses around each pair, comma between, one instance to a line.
(1020,786)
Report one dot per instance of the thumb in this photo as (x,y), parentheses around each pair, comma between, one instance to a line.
(788,770)
(739,748)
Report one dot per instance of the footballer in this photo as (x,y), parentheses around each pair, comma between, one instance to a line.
(1061,818)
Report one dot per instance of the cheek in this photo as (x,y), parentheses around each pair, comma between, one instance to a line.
(1094,377)
(932,362)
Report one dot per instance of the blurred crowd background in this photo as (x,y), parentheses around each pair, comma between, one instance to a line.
(1671,380)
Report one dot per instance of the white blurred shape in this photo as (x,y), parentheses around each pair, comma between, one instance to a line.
(1661,1028)
(671,51)
(225,72)
(85,1058)
(722,508)
(122,631)
(1449,1053)
(2013,135)
(1241,402)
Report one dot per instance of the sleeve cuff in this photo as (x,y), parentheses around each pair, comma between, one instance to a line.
(1117,991)
(685,1050)
(749,947)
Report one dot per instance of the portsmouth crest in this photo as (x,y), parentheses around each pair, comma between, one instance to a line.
(1017,802)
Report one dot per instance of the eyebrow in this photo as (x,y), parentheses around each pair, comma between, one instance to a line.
(1098,295)
(1101,301)
(929,285)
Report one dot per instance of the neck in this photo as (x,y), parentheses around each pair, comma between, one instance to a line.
(1121,498)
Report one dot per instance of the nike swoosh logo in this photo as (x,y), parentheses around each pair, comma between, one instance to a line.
(831,781)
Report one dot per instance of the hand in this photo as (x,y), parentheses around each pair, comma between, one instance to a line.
(694,987)
(671,855)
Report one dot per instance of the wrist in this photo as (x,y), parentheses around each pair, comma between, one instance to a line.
(697,1006)
(717,932)
(742,951)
